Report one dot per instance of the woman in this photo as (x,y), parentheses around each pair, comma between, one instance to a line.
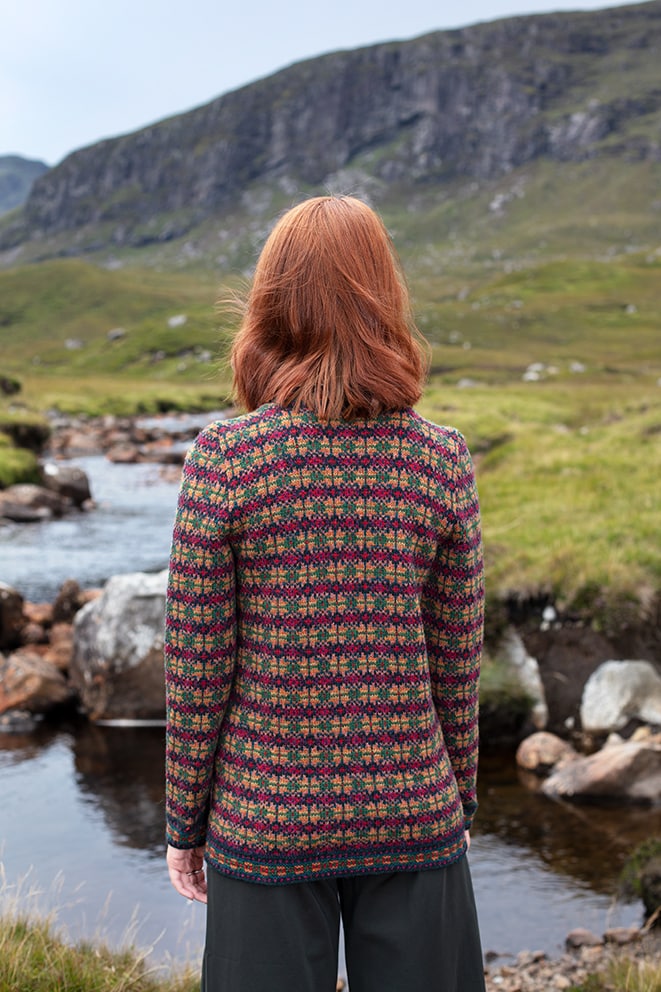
(323,639)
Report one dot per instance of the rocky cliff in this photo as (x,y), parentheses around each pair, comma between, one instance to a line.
(476,102)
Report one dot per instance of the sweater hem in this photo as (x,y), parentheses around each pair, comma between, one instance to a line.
(279,873)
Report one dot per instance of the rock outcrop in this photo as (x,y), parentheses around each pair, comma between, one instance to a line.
(469,104)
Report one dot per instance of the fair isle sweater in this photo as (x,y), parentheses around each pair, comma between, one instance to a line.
(323,640)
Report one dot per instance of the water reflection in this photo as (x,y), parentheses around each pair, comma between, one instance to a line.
(120,771)
(586,842)
(87,803)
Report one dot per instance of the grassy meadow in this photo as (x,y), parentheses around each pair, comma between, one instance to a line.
(540,295)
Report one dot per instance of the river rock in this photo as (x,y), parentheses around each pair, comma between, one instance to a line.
(11,617)
(67,481)
(619,691)
(28,503)
(622,935)
(123,454)
(579,937)
(526,671)
(543,751)
(33,633)
(59,651)
(630,771)
(69,600)
(117,664)
(41,613)
(78,439)
(29,683)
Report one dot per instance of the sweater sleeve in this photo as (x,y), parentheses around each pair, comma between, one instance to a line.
(200,643)
(453,616)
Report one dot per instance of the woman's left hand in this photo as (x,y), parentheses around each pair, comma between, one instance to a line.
(186,870)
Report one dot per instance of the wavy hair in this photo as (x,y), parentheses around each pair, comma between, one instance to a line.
(327,324)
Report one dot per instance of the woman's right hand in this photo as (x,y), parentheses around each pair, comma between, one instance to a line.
(186,870)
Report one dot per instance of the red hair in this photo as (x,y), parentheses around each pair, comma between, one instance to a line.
(328,325)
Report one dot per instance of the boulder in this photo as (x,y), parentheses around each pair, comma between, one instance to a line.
(11,617)
(29,683)
(67,481)
(543,751)
(619,691)
(117,663)
(627,771)
(27,503)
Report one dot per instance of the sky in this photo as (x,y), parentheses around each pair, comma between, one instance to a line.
(75,71)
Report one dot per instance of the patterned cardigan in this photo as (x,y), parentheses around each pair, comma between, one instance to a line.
(323,640)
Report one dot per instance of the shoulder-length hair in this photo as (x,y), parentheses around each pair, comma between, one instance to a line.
(327,324)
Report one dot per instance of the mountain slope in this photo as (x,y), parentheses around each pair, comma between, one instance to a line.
(468,105)
(17,175)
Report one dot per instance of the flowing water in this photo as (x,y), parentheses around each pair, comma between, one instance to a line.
(81,806)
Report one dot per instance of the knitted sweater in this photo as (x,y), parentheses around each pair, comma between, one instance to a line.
(323,639)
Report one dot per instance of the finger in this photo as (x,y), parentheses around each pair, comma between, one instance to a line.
(192,886)
(182,883)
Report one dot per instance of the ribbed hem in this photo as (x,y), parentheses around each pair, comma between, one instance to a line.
(279,871)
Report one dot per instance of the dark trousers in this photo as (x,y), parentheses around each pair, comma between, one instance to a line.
(404,932)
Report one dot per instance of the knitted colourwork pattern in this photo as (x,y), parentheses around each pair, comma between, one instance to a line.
(323,639)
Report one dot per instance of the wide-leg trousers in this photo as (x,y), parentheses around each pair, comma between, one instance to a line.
(403,932)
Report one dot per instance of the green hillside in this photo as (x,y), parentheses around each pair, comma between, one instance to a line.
(553,372)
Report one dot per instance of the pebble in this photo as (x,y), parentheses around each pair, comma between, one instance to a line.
(533,971)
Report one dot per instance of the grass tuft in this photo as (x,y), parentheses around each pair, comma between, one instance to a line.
(36,957)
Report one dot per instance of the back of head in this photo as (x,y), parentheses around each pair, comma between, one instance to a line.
(327,324)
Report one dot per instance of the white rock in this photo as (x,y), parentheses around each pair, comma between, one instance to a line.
(526,670)
(619,691)
(117,664)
